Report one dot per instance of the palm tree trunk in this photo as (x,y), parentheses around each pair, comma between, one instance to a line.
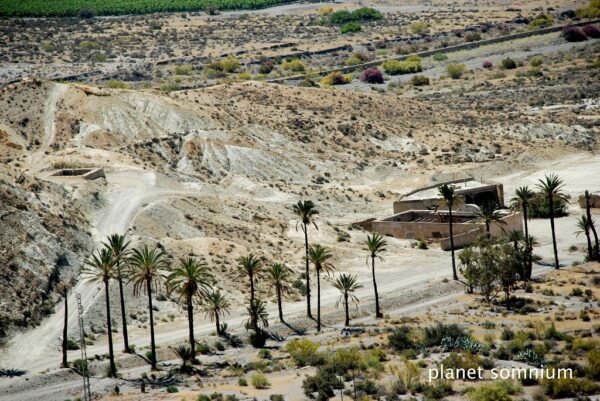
(152,340)
(308,308)
(346,307)
(251,287)
(551,205)
(190,313)
(111,354)
(378,313)
(528,253)
(65,362)
(589,244)
(279,304)
(454,276)
(592,227)
(318,300)
(487,228)
(123,313)
(217,324)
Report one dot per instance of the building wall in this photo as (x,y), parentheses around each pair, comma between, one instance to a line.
(464,233)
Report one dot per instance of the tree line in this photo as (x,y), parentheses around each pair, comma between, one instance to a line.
(149,271)
(491,265)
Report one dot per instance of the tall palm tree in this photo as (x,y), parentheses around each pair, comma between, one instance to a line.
(521,201)
(279,276)
(375,244)
(145,270)
(448,199)
(250,267)
(258,318)
(306,212)
(346,285)
(100,268)
(192,280)
(215,307)
(320,257)
(63,289)
(489,212)
(585,226)
(588,197)
(552,188)
(119,247)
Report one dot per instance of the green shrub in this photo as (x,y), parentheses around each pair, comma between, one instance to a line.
(508,64)
(593,364)
(350,27)
(400,339)
(536,61)
(303,351)
(455,71)
(115,84)
(361,14)
(230,64)
(336,78)
(203,348)
(488,392)
(438,390)
(293,65)
(568,387)
(172,389)
(541,21)
(462,361)
(72,345)
(396,67)
(276,397)
(435,334)
(183,69)
(417,27)
(259,381)
(242,382)
(439,57)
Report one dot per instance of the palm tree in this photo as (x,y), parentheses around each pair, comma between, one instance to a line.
(449,198)
(346,285)
(101,269)
(521,201)
(216,306)
(375,245)
(279,275)
(306,213)
(192,279)
(145,270)
(186,354)
(117,244)
(588,197)
(515,236)
(489,212)
(63,289)
(584,225)
(258,318)
(551,186)
(250,266)
(320,256)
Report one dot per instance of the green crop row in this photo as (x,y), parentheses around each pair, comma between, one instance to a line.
(67,8)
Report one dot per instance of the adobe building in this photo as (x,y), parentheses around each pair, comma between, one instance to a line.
(418,215)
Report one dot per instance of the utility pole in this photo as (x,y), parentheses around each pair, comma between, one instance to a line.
(85,370)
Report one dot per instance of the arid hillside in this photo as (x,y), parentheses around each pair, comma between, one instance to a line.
(241,153)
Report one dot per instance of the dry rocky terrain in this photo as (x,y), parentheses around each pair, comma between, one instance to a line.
(212,172)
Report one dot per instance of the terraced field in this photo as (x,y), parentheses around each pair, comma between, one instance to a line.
(55,8)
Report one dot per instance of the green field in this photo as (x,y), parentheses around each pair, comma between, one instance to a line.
(66,8)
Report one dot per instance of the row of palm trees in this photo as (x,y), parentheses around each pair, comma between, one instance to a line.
(147,268)
(321,257)
(552,188)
